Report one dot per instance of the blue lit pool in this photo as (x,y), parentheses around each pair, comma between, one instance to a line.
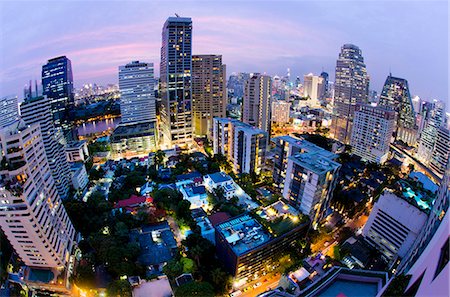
(409,193)
(341,288)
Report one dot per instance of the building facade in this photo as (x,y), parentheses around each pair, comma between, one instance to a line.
(38,110)
(441,151)
(256,103)
(372,132)
(350,88)
(57,84)
(395,95)
(137,93)
(312,87)
(310,180)
(176,82)
(32,215)
(281,111)
(209,95)
(9,110)
(244,145)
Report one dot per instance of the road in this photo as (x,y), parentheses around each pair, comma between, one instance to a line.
(266,284)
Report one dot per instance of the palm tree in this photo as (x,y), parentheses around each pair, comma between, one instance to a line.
(159,158)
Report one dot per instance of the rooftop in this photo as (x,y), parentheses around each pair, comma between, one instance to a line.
(417,196)
(134,130)
(133,201)
(315,162)
(219,177)
(243,234)
(306,146)
(190,175)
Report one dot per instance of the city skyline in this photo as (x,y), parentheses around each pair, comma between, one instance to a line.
(302,36)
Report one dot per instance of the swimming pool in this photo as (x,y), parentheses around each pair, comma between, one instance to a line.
(418,197)
(349,288)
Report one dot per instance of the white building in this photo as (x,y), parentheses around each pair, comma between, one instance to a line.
(441,151)
(393,226)
(256,102)
(281,111)
(372,133)
(196,195)
(244,145)
(38,110)
(32,215)
(77,151)
(309,184)
(433,118)
(9,110)
(80,177)
(312,85)
(137,95)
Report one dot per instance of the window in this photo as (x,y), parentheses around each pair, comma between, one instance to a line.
(443,259)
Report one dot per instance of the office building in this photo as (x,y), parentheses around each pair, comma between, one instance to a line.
(372,132)
(396,220)
(312,88)
(350,88)
(175,82)
(287,146)
(9,110)
(311,177)
(57,84)
(133,140)
(441,151)
(137,95)
(248,250)
(323,87)
(32,215)
(281,111)
(38,110)
(395,95)
(256,102)
(209,96)
(433,118)
(244,145)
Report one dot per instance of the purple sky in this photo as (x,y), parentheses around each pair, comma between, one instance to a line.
(410,38)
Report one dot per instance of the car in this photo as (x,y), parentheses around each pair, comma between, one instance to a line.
(236,293)
(257,285)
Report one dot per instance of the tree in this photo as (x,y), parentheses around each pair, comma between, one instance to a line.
(221,280)
(119,288)
(203,289)
(159,158)
(173,268)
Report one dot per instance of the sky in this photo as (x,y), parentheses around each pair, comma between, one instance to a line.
(407,38)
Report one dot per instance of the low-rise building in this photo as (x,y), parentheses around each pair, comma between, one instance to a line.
(206,228)
(77,151)
(134,139)
(196,195)
(80,178)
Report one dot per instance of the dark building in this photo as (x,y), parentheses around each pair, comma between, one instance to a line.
(176,83)
(323,91)
(247,249)
(350,88)
(57,84)
(395,95)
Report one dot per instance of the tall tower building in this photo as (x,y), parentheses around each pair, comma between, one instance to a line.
(57,84)
(9,110)
(38,110)
(372,132)
(395,95)
(176,84)
(312,87)
(209,96)
(433,116)
(323,87)
(137,95)
(441,151)
(257,101)
(32,215)
(350,88)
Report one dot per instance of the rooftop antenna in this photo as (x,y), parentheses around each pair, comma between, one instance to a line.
(177,15)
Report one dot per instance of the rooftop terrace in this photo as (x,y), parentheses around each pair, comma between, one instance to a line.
(315,162)
(243,233)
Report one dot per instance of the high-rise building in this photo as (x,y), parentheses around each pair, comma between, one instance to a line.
(243,145)
(372,132)
(416,102)
(32,215)
(323,87)
(311,176)
(9,110)
(137,95)
(281,111)
(57,84)
(395,95)
(394,224)
(175,80)
(350,88)
(256,103)
(433,117)
(209,96)
(441,151)
(38,110)
(313,87)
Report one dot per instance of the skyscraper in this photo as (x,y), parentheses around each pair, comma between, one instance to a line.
(351,87)
(323,87)
(57,84)
(441,151)
(312,87)
(395,95)
(209,96)
(257,101)
(9,110)
(38,110)
(372,132)
(31,213)
(137,95)
(176,84)
(433,116)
